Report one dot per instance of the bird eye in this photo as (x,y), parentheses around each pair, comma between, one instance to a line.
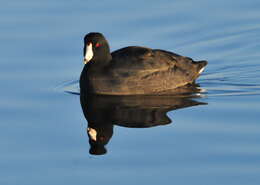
(97,45)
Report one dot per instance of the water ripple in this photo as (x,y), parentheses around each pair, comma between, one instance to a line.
(231,48)
(211,85)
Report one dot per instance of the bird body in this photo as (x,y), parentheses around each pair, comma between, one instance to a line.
(135,70)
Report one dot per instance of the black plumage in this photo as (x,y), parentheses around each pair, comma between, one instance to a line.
(135,70)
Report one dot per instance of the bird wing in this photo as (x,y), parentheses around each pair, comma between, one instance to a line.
(141,61)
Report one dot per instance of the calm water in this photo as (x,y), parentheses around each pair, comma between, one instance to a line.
(43,135)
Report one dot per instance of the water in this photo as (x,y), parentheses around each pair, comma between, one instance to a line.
(43,135)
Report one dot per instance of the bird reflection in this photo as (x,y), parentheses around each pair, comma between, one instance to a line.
(103,112)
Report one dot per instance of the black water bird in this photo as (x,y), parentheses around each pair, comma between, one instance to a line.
(134,70)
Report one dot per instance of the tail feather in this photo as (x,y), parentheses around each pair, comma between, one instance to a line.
(201,65)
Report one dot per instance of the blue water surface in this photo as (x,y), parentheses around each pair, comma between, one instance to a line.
(43,137)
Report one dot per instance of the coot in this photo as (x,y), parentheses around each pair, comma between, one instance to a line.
(134,70)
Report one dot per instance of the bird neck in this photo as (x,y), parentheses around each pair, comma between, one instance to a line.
(102,57)
(101,60)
